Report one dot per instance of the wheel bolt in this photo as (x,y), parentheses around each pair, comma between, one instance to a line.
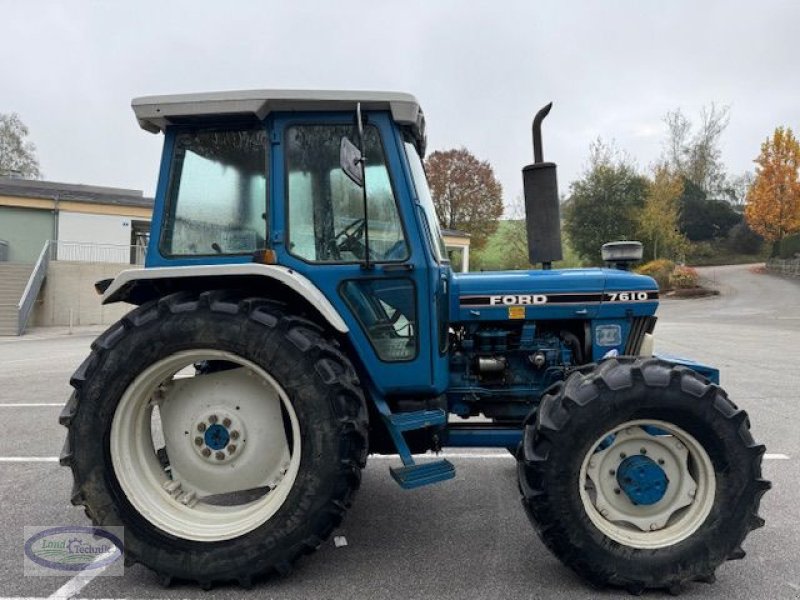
(212,419)
(661,461)
(653,526)
(231,448)
(201,427)
(622,455)
(226,421)
(612,472)
(220,456)
(206,452)
(616,491)
(198,441)
(643,451)
(234,435)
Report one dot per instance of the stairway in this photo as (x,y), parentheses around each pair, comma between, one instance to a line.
(13,279)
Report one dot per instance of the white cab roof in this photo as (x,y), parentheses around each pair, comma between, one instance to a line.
(154,113)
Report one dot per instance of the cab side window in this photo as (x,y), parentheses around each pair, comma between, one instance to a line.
(326,209)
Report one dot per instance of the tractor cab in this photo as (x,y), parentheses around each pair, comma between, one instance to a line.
(257,178)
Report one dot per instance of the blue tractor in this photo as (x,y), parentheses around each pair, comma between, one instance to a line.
(298,312)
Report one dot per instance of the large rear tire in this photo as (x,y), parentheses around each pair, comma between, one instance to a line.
(699,475)
(264,428)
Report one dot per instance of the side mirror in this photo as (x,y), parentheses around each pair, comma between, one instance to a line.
(350,161)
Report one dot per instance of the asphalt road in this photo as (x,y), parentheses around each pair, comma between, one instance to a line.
(466,538)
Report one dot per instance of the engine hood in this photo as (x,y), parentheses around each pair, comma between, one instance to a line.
(552,294)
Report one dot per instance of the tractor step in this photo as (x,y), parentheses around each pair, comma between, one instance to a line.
(418,419)
(414,476)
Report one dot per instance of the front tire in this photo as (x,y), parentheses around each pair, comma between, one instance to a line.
(699,472)
(264,426)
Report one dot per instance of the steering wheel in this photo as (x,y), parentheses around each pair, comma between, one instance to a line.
(350,233)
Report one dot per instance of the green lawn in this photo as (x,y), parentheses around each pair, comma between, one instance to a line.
(507,249)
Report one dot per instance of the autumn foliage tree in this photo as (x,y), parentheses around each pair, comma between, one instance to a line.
(659,218)
(466,194)
(773,201)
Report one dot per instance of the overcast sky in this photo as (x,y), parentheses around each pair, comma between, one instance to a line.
(479,69)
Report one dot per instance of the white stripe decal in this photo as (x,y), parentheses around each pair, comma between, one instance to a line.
(31,404)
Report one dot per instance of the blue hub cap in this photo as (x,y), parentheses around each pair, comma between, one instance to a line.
(216,437)
(642,480)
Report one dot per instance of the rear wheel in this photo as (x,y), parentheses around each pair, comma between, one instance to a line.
(225,434)
(641,474)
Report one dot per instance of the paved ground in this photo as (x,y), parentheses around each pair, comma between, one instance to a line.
(466,538)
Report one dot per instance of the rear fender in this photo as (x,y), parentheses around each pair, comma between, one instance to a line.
(138,286)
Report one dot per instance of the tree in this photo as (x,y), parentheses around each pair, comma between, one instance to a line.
(514,236)
(604,203)
(773,202)
(704,219)
(659,218)
(736,190)
(696,154)
(466,194)
(17,154)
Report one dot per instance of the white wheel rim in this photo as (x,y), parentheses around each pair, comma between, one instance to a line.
(182,506)
(677,515)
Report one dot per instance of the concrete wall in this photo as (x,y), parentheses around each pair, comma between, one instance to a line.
(70,286)
(784,266)
(25,230)
(114,230)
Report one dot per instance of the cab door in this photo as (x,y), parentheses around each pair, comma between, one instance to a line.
(320,230)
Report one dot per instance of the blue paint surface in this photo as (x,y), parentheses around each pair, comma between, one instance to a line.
(216,437)
(642,480)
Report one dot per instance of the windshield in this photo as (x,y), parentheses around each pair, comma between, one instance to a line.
(426,202)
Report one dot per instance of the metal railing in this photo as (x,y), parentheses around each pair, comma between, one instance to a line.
(86,252)
(90,252)
(28,300)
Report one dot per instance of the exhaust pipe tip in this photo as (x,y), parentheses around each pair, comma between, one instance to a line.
(538,150)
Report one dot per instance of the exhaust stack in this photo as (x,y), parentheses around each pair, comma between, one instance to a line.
(542,212)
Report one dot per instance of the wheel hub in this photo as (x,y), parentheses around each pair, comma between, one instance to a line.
(219,436)
(642,480)
(224,434)
(216,437)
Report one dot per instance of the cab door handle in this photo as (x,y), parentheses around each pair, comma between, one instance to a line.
(398,267)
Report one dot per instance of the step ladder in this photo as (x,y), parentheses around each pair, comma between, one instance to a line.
(412,474)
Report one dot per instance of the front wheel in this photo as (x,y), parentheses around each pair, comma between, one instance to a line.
(225,434)
(641,474)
